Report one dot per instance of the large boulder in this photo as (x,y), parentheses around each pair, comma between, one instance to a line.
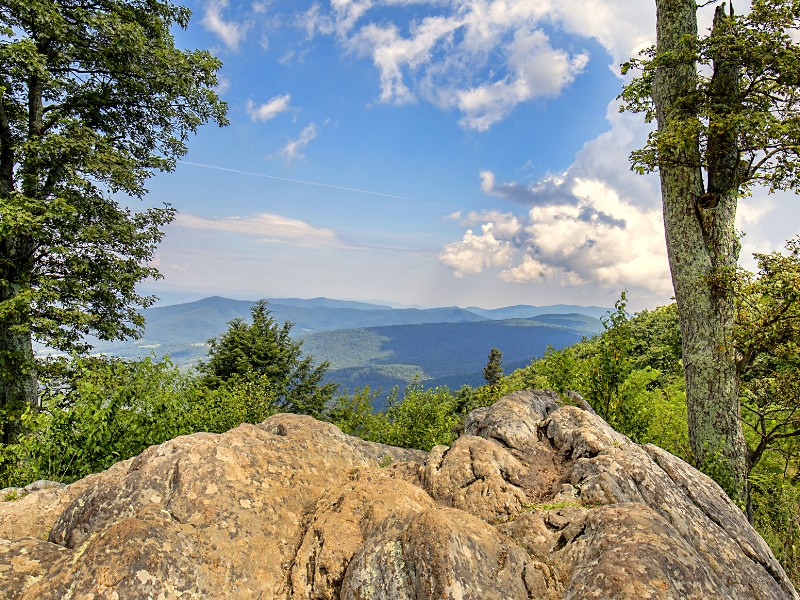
(535,500)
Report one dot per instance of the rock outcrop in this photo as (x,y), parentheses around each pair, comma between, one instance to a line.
(536,500)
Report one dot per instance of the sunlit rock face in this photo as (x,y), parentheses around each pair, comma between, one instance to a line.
(535,500)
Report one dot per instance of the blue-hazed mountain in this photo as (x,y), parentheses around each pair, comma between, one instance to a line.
(327,303)
(209,317)
(369,344)
(449,354)
(524,311)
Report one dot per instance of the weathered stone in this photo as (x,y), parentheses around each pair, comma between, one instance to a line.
(443,553)
(478,476)
(534,501)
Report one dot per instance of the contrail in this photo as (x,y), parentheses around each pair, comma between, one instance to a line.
(300,181)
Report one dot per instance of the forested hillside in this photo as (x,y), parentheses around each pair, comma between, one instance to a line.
(368,344)
(452,354)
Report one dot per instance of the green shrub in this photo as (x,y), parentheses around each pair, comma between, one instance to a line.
(422,419)
(233,402)
(355,415)
(97,411)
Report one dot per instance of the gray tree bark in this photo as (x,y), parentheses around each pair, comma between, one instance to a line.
(18,383)
(703,249)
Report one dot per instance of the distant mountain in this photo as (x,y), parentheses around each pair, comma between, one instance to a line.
(524,311)
(450,354)
(182,330)
(209,317)
(328,303)
(371,344)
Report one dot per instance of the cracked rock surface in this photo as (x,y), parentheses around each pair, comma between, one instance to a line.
(535,500)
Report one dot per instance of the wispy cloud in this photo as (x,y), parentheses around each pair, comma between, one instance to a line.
(294,149)
(232,33)
(270,109)
(300,181)
(265,227)
(480,58)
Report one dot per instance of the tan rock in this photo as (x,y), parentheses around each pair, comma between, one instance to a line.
(534,501)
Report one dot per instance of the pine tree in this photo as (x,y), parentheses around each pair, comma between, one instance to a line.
(493,372)
(264,349)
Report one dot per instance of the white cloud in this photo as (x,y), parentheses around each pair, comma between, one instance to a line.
(294,149)
(505,224)
(535,69)
(532,270)
(265,227)
(480,57)
(622,27)
(231,33)
(602,239)
(474,253)
(597,238)
(596,224)
(270,109)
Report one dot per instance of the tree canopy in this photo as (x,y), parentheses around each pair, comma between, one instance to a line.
(757,112)
(94,98)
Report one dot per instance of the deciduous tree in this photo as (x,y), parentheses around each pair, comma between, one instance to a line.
(767,337)
(727,106)
(94,97)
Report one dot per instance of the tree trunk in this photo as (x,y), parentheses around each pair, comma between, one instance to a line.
(18,383)
(703,250)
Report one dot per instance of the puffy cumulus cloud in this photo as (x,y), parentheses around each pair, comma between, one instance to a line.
(266,228)
(480,57)
(535,69)
(294,149)
(270,109)
(475,253)
(601,238)
(232,33)
(577,231)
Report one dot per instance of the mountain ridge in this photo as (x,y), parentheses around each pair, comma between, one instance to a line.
(368,344)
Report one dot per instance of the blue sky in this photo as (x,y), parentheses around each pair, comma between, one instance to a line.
(424,153)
